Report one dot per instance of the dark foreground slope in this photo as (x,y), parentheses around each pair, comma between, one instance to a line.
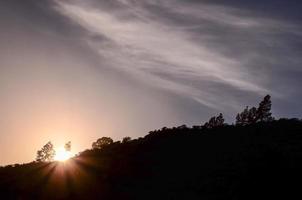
(261,161)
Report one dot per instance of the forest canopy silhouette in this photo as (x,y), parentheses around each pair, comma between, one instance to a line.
(257,157)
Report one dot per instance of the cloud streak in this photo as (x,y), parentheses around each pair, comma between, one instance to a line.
(172,52)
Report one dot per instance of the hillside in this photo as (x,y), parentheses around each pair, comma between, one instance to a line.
(259,161)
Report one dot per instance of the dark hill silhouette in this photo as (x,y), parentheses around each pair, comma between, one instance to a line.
(257,161)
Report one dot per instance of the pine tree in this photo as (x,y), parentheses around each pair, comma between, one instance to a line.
(242,118)
(264,110)
(220,120)
(215,121)
(253,115)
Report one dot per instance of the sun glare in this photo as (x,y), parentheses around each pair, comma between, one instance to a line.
(62,155)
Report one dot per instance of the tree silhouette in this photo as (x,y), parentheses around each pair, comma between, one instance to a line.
(243,117)
(102,142)
(253,115)
(173,163)
(67,146)
(219,120)
(126,139)
(215,121)
(46,154)
(264,109)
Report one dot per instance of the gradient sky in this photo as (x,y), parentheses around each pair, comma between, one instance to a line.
(82,69)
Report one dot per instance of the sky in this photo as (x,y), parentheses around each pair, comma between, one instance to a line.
(78,70)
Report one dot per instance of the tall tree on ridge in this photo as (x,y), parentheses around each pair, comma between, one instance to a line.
(264,109)
(253,115)
(46,154)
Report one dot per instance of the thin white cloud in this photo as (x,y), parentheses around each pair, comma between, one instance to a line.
(142,44)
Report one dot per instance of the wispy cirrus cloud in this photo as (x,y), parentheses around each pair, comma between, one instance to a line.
(195,49)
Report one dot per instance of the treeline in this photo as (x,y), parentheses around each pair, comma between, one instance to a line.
(258,159)
(248,116)
(255,161)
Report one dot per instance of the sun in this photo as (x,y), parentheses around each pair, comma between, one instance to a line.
(62,155)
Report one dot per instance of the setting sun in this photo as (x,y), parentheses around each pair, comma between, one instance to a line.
(62,155)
